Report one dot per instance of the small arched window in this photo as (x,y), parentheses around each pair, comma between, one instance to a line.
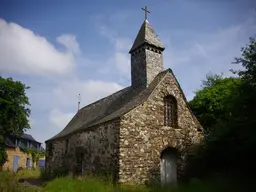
(170,111)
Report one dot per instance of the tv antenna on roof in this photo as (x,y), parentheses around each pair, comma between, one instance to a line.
(79,101)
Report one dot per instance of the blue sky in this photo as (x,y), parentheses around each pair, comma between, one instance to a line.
(63,48)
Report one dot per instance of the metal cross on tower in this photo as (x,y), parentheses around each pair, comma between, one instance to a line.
(146,12)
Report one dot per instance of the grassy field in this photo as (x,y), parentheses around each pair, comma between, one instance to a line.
(28,173)
(9,183)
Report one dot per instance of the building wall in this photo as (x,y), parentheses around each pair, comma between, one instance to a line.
(146,64)
(54,155)
(11,152)
(154,60)
(98,146)
(143,135)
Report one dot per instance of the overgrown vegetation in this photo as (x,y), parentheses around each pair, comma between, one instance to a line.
(28,173)
(35,154)
(13,111)
(3,154)
(9,183)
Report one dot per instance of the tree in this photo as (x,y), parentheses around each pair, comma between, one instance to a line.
(248,90)
(213,103)
(226,109)
(248,62)
(3,155)
(213,106)
(245,112)
(14,112)
(35,154)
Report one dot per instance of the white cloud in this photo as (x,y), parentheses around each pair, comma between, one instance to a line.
(54,104)
(58,105)
(122,62)
(24,52)
(121,56)
(53,100)
(91,90)
(120,59)
(200,49)
(59,118)
(70,42)
(210,52)
(32,122)
(122,44)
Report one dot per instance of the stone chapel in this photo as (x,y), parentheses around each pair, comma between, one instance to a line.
(139,134)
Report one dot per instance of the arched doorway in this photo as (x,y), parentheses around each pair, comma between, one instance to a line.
(168,166)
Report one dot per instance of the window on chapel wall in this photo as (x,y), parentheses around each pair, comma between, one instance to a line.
(170,111)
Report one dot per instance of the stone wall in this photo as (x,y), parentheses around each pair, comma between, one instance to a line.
(154,62)
(55,156)
(143,135)
(146,64)
(91,151)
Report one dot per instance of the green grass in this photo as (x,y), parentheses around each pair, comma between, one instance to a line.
(9,183)
(72,185)
(29,173)
(66,184)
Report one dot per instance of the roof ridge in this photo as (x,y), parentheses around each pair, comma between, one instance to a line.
(185,99)
(146,35)
(25,136)
(109,109)
(89,107)
(165,71)
(97,101)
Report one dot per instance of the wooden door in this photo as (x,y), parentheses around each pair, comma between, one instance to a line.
(168,168)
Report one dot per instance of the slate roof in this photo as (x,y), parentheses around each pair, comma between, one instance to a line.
(146,35)
(109,108)
(28,137)
(10,140)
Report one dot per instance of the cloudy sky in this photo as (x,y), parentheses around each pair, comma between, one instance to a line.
(63,48)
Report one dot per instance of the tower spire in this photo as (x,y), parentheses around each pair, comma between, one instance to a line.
(146,55)
(148,36)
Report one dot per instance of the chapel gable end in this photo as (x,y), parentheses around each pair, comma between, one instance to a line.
(175,110)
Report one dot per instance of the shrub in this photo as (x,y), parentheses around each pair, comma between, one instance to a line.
(9,183)
(3,154)
(60,172)
(20,169)
(43,175)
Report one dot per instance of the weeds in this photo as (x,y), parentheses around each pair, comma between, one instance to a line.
(9,183)
(28,173)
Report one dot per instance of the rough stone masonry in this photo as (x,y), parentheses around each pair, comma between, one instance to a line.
(125,133)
